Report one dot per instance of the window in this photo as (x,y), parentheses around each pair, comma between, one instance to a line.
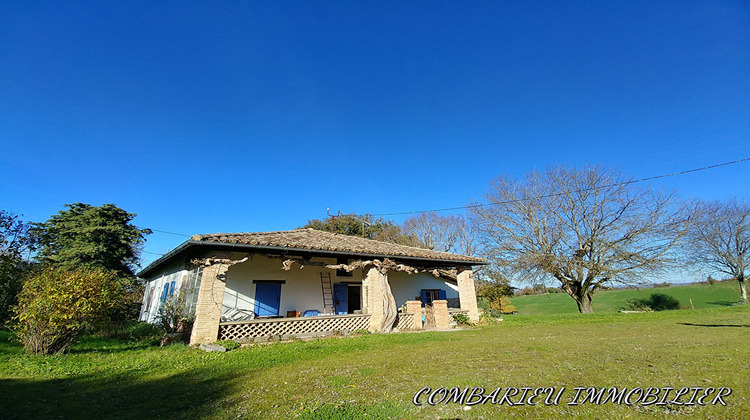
(150,296)
(191,284)
(430,295)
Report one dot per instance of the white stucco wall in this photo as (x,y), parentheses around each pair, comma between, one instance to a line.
(406,286)
(302,290)
(174,272)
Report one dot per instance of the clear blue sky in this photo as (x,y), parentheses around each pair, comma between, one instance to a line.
(252,116)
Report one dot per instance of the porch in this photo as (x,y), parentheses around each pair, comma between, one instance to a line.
(315,326)
(244,298)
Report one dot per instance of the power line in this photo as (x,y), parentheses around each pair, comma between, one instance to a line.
(152,253)
(164,231)
(633,181)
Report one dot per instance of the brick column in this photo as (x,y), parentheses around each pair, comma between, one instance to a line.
(208,306)
(467,295)
(414,307)
(442,317)
(374,282)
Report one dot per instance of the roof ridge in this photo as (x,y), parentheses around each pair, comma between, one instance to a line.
(353,241)
(246,233)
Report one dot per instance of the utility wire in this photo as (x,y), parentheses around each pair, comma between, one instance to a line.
(152,253)
(164,231)
(632,181)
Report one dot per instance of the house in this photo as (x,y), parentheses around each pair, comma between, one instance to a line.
(306,282)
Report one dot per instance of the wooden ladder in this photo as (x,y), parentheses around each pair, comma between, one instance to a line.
(327,286)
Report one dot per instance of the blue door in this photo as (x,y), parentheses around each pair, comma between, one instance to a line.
(340,294)
(267,299)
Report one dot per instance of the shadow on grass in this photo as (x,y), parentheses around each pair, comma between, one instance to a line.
(191,394)
(714,325)
(722,303)
(107,346)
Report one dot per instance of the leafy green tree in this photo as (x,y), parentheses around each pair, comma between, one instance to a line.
(15,243)
(55,306)
(89,236)
(364,226)
(494,291)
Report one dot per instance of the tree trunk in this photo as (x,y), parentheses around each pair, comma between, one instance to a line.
(584,303)
(582,296)
(743,289)
(390,312)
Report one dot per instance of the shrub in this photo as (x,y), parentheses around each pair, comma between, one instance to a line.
(655,302)
(488,317)
(491,294)
(173,316)
(55,306)
(461,319)
(505,306)
(493,313)
(129,307)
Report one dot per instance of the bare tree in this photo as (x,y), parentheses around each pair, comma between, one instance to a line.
(720,239)
(467,241)
(585,228)
(451,233)
(431,230)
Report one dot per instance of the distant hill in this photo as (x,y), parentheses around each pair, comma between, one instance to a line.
(724,293)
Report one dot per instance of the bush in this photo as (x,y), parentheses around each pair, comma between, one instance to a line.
(488,317)
(493,313)
(173,316)
(505,306)
(655,302)
(55,306)
(492,293)
(129,307)
(461,319)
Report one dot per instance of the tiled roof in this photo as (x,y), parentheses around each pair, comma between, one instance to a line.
(316,240)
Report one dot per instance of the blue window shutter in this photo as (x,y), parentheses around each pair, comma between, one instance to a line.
(423,292)
(171,288)
(441,294)
(164,292)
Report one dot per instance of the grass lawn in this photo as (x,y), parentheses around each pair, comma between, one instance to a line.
(724,293)
(379,374)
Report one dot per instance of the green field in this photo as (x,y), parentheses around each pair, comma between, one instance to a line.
(724,293)
(378,375)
